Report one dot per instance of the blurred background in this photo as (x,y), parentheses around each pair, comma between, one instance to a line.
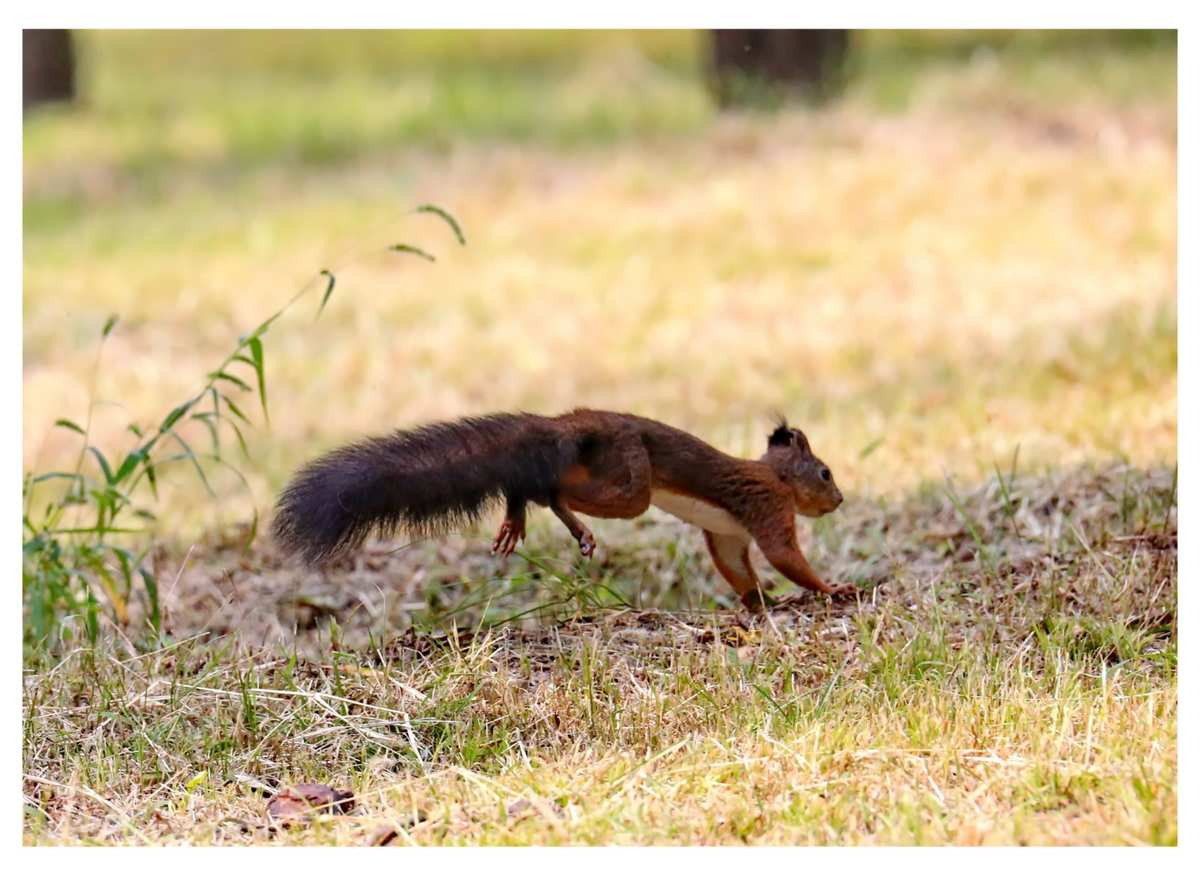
(932,250)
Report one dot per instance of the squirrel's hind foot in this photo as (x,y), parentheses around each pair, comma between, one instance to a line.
(587,543)
(511,533)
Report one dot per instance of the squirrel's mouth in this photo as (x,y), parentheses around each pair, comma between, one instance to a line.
(817,512)
(827,507)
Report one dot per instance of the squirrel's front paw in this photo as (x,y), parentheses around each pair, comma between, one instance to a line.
(842,590)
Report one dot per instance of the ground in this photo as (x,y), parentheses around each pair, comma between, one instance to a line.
(960,281)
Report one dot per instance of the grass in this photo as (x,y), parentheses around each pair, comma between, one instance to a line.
(1026,290)
(1021,694)
(219,104)
(960,280)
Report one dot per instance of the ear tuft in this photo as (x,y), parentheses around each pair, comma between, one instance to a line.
(782,436)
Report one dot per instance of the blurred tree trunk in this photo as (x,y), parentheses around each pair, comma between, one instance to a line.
(752,66)
(49,66)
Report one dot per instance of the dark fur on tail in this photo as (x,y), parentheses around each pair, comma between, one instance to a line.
(427,481)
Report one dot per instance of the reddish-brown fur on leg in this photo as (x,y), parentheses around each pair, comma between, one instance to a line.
(579,531)
(778,544)
(611,480)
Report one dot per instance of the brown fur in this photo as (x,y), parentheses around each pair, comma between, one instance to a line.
(594,462)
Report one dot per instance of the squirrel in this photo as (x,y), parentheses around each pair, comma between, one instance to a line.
(603,464)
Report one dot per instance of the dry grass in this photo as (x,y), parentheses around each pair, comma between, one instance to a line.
(1022,692)
(969,304)
(948,285)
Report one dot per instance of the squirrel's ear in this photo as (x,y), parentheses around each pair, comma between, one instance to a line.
(782,436)
(802,441)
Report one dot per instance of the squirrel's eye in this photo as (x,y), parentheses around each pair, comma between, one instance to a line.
(825,476)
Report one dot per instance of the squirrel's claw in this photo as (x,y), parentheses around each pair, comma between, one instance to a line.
(509,536)
(587,544)
(801,599)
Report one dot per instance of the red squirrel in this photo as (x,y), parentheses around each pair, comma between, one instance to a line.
(608,465)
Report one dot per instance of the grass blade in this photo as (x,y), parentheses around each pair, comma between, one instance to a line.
(328,290)
(447,217)
(412,250)
(104,467)
(256,352)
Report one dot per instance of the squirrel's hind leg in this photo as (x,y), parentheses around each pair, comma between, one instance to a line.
(579,531)
(612,483)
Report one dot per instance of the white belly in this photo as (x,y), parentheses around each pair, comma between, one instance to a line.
(698,512)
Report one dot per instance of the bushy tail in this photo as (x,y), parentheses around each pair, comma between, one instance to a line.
(427,480)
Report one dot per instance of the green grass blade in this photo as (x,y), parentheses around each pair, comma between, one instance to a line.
(256,352)
(104,467)
(412,250)
(328,290)
(128,465)
(447,217)
(174,416)
(226,376)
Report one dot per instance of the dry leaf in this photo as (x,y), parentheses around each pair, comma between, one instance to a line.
(302,800)
(519,807)
(383,836)
(523,808)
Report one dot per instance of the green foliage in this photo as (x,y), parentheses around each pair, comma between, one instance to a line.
(72,550)
(158,102)
(85,549)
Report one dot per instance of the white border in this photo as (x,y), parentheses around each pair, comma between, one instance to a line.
(611,14)
(883,870)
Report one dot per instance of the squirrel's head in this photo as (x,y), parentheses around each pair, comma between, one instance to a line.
(797,466)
